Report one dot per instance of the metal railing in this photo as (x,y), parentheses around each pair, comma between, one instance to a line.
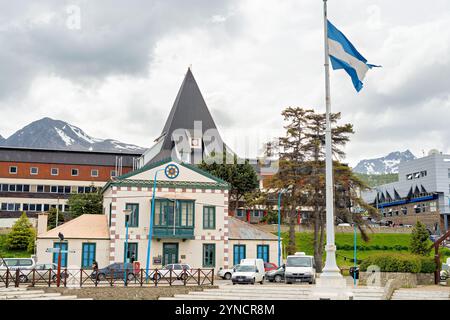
(110,278)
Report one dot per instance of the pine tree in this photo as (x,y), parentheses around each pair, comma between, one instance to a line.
(22,235)
(302,171)
(52,218)
(85,203)
(241,176)
(420,243)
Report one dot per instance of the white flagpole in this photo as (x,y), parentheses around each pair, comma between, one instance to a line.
(330,269)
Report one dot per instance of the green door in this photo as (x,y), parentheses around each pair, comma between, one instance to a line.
(170,253)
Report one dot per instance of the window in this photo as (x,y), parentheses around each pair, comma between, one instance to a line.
(433,206)
(5,187)
(262,251)
(34,170)
(404,210)
(113,173)
(240,213)
(209,255)
(19,187)
(26,188)
(40,188)
(238,253)
(66,208)
(60,189)
(132,250)
(133,221)
(209,217)
(257,213)
(80,189)
(54,189)
(416,175)
(165,213)
(88,255)
(409,176)
(54,171)
(39,207)
(10,206)
(110,214)
(25,207)
(67,189)
(74,172)
(449,173)
(423,174)
(12,187)
(416,208)
(61,246)
(46,207)
(94,173)
(13,170)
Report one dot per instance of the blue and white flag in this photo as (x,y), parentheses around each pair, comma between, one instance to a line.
(343,55)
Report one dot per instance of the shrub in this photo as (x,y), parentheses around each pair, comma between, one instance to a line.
(428,265)
(393,262)
(420,244)
(21,235)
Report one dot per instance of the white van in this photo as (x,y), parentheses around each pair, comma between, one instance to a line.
(249,271)
(300,268)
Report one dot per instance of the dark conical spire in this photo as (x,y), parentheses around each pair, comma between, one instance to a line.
(189,106)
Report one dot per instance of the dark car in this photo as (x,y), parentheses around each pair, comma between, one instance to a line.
(275,275)
(114,271)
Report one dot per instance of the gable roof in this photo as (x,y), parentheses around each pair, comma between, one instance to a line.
(126,179)
(86,226)
(240,230)
(189,106)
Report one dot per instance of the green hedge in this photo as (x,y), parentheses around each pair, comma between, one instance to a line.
(396,262)
(347,247)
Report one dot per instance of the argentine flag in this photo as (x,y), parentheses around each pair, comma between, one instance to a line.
(343,55)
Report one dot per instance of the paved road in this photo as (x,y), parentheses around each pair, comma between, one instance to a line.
(226,291)
(425,293)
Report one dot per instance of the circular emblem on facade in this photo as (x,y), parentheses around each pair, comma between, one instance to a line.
(172,171)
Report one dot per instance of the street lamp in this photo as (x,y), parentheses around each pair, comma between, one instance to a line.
(150,229)
(279,225)
(127,213)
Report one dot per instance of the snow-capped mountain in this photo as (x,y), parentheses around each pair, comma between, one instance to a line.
(56,134)
(384,165)
(1,139)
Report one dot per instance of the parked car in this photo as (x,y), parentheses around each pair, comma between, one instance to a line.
(344,225)
(180,271)
(269,266)
(275,275)
(115,271)
(300,268)
(445,270)
(227,273)
(13,264)
(249,271)
(17,263)
(43,269)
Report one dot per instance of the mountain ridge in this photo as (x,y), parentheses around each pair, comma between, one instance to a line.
(47,133)
(384,165)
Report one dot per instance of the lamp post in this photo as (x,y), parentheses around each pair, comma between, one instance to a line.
(127,213)
(150,229)
(279,225)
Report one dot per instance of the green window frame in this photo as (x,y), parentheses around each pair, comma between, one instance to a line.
(88,254)
(133,221)
(209,217)
(209,255)
(165,215)
(110,214)
(64,246)
(132,248)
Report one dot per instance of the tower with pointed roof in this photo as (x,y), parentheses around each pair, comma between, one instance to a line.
(186,133)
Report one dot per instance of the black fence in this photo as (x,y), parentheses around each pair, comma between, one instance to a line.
(109,278)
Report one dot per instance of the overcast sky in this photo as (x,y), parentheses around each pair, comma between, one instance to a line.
(116,74)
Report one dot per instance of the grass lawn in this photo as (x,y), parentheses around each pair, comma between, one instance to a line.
(386,242)
(5,253)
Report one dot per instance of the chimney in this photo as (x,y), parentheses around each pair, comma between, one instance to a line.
(42,223)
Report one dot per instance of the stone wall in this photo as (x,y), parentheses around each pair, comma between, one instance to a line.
(405,280)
